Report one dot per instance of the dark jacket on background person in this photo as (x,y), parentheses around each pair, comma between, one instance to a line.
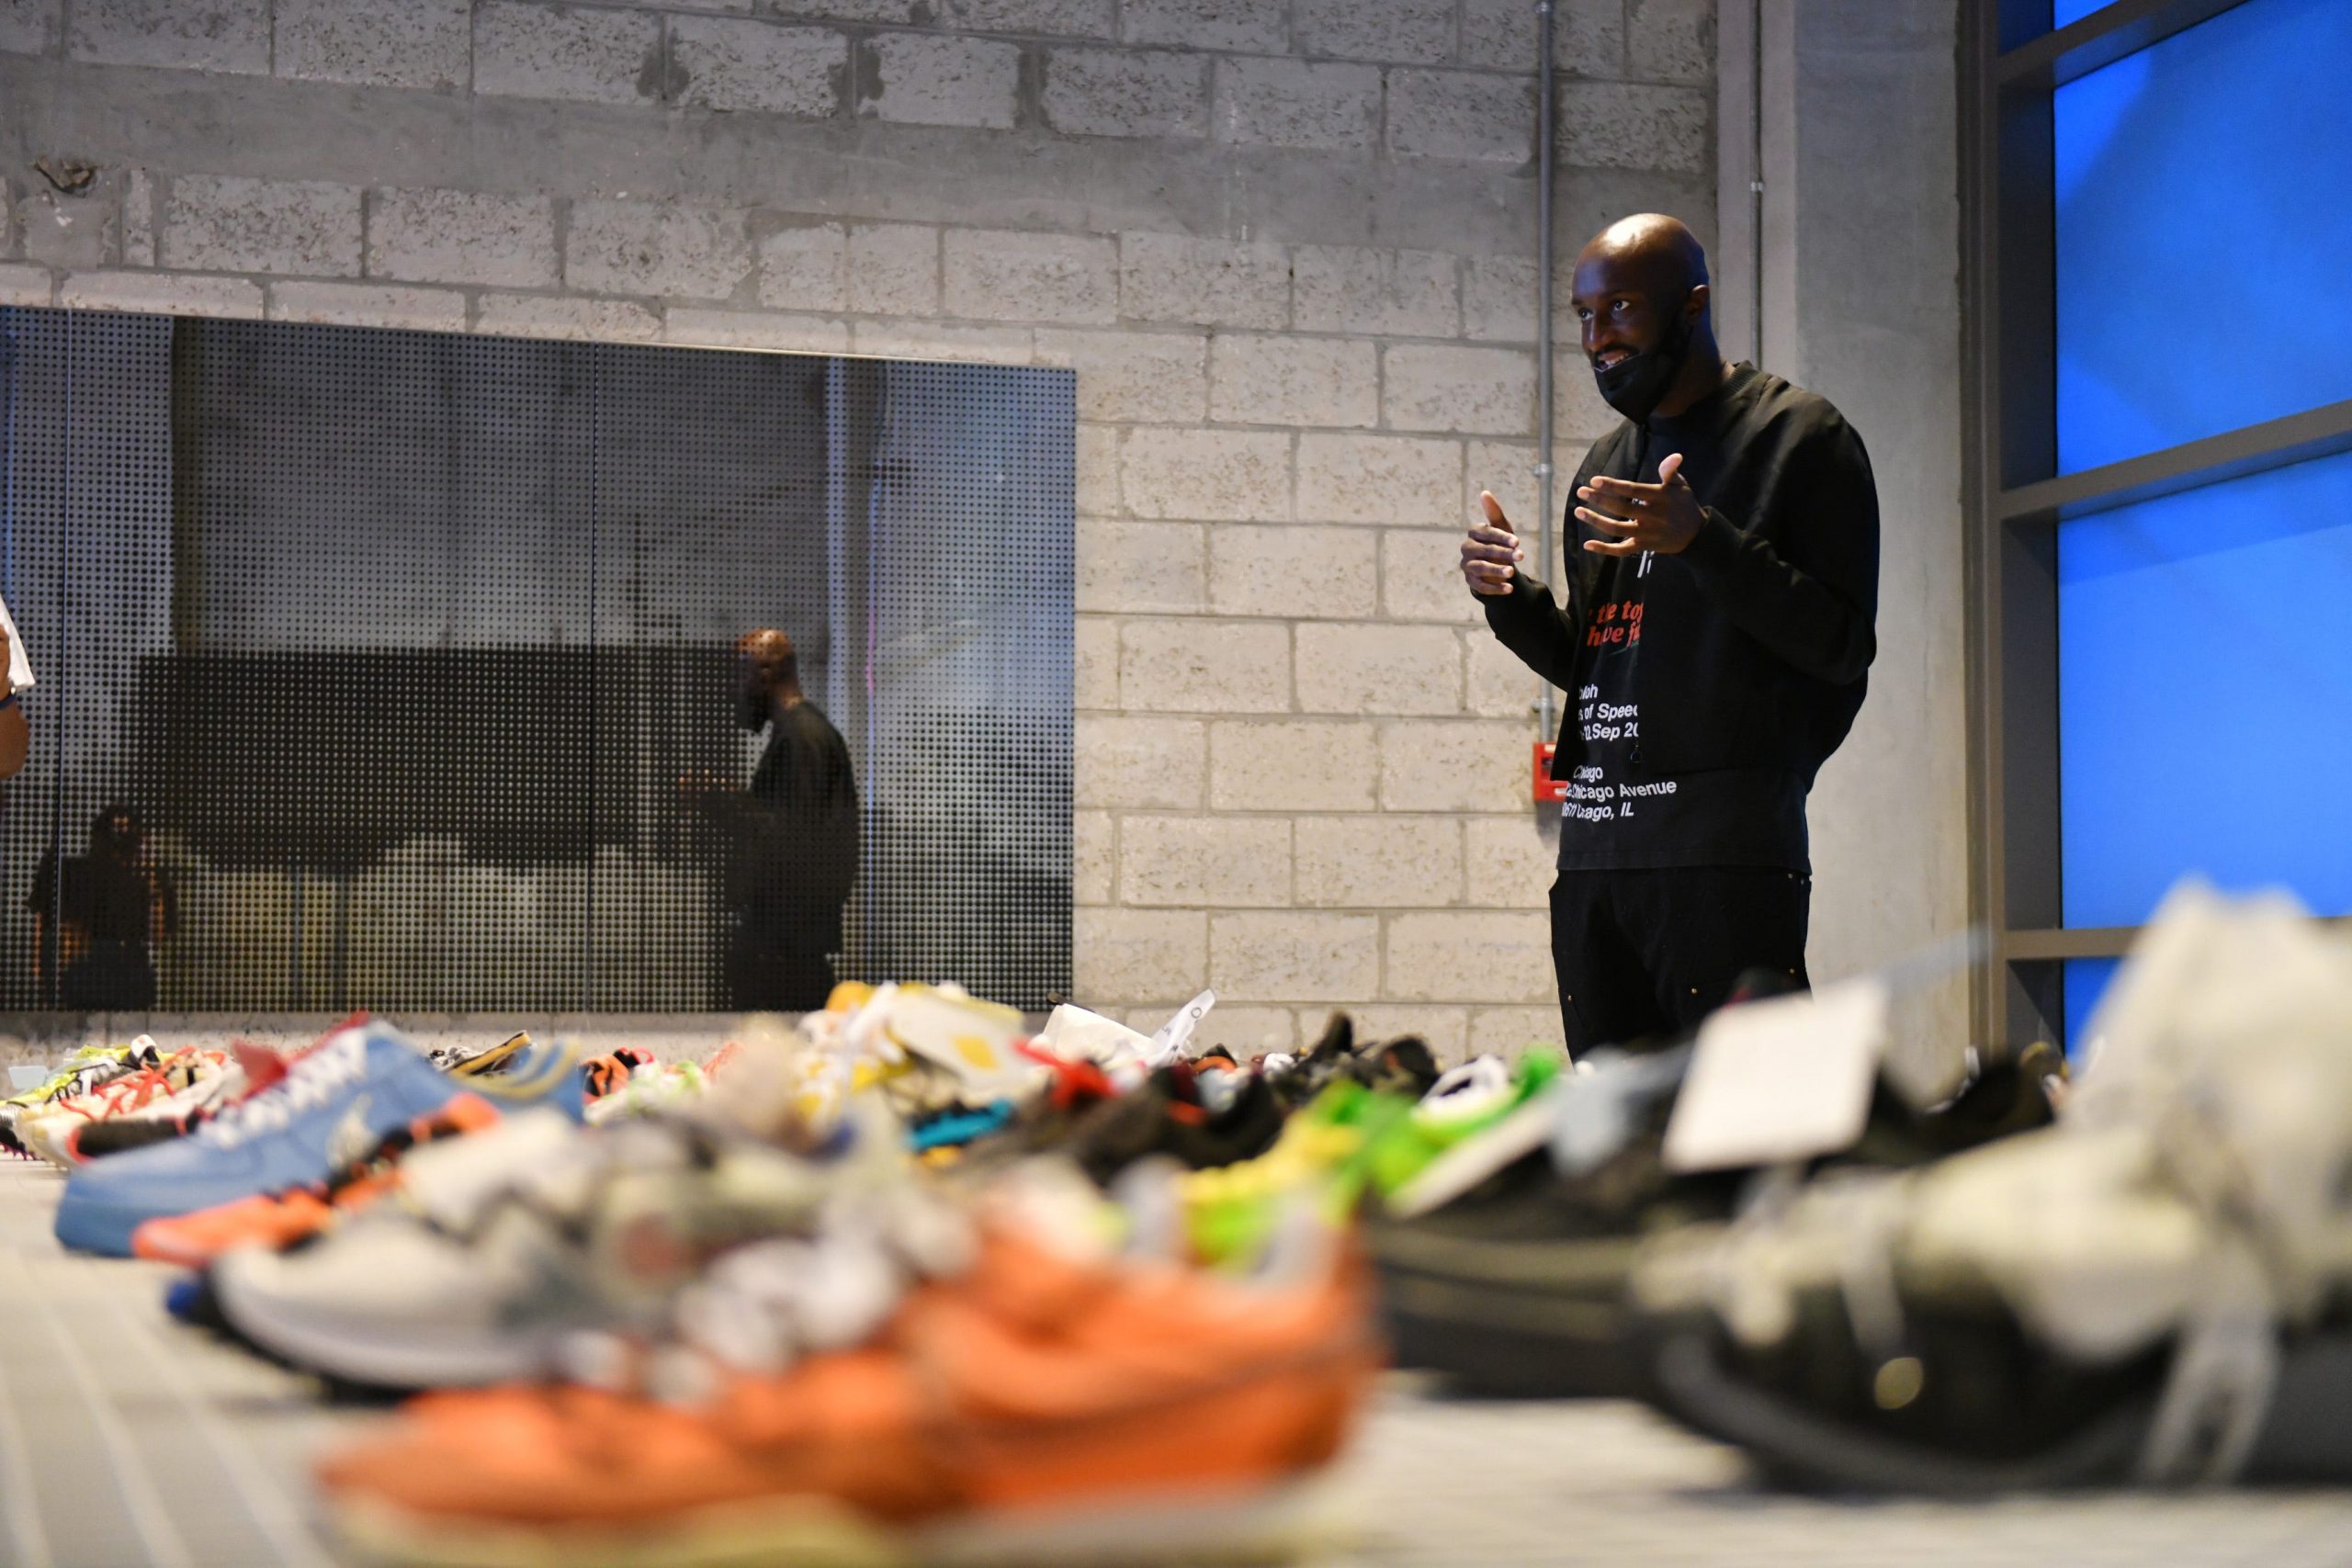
(1758,635)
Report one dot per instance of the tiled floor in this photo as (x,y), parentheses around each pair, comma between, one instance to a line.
(126,1441)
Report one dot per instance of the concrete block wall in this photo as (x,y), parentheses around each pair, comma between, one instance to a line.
(1287,244)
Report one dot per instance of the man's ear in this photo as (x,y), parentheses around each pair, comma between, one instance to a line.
(1694,308)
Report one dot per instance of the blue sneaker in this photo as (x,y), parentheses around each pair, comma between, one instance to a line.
(338,1099)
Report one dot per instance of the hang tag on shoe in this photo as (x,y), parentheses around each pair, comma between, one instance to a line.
(1780,1080)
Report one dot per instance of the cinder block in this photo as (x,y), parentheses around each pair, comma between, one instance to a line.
(454,236)
(1093,839)
(537,315)
(1507,469)
(1409,32)
(731,63)
(1157,377)
(227,224)
(30,27)
(1508,1031)
(1094,663)
(805,266)
(1293,380)
(1498,301)
(1295,956)
(1625,125)
(1235,863)
(1479,391)
(664,250)
(754,328)
(80,228)
(138,220)
(1248,26)
(25,286)
(1420,577)
(1005,276)
(558,52)
(1671,40)
(369,305)
(916,79)
(1444,1030)
(1588,36)
(893,269)
(1098,471)
(1580,417)
(1129,763)
(160,294)
(1046,18)
(1353,669)
(182,35)
(1221,283)
(1469,117)
(1511,860)
(1378,478)
(1289,570)
(1291,103)
(1215,475)
(953,344)
(1457,765)
(416,43)
(1139,567)
(1379,862)
(1500,684)
(1106,91)
(1292,765)
(1246,1032)
(1120,957)
(1464,956)
(1347,288)
(1204,666)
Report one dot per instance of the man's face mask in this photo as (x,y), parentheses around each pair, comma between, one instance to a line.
(1637,384)
(751,705)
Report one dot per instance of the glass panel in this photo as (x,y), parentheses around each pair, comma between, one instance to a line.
(2202,233)
(2086,980)
(2205,693)
(2063,12)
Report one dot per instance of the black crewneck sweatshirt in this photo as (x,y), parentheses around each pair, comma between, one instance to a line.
(1705,689)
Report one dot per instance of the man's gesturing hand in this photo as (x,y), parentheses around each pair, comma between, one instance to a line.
(1491,553)
(1664,517)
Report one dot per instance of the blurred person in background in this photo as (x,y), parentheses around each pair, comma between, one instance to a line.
(111,909)
(789,838)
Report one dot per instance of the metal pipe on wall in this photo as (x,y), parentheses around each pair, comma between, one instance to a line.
(1546,528)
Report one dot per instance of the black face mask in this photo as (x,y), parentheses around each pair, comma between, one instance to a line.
(1637,384)
(752,708)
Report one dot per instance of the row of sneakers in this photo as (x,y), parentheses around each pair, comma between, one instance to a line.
(2154,1287)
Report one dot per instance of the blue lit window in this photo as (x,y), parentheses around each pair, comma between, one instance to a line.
(2205,693)
(2204,231)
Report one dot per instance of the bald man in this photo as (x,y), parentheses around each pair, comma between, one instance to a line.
(792,854)
(1722,576)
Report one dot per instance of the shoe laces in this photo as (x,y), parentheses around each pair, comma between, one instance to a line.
(313,1080)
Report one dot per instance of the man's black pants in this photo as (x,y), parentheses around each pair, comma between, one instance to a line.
(1645,955)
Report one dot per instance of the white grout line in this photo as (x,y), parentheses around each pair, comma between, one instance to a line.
(271,1511)
(140,1501)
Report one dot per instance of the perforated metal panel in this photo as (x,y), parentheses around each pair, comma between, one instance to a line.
(401,645)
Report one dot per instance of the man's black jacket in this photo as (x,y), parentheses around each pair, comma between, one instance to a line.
(1756,639)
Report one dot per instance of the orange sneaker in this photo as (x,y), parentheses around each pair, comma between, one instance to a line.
(1039,1408)
(279,1220)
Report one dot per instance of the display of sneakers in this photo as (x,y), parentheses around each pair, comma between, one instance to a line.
(51,1132)
(335,1102)
(498,1248)
(85,1070)
(1048,1401)
(2153,1290)
(1517,1283)
(278,1220)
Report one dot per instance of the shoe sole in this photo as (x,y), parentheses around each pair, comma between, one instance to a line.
(454,1362)
(1529,1321)
(1214,1528)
